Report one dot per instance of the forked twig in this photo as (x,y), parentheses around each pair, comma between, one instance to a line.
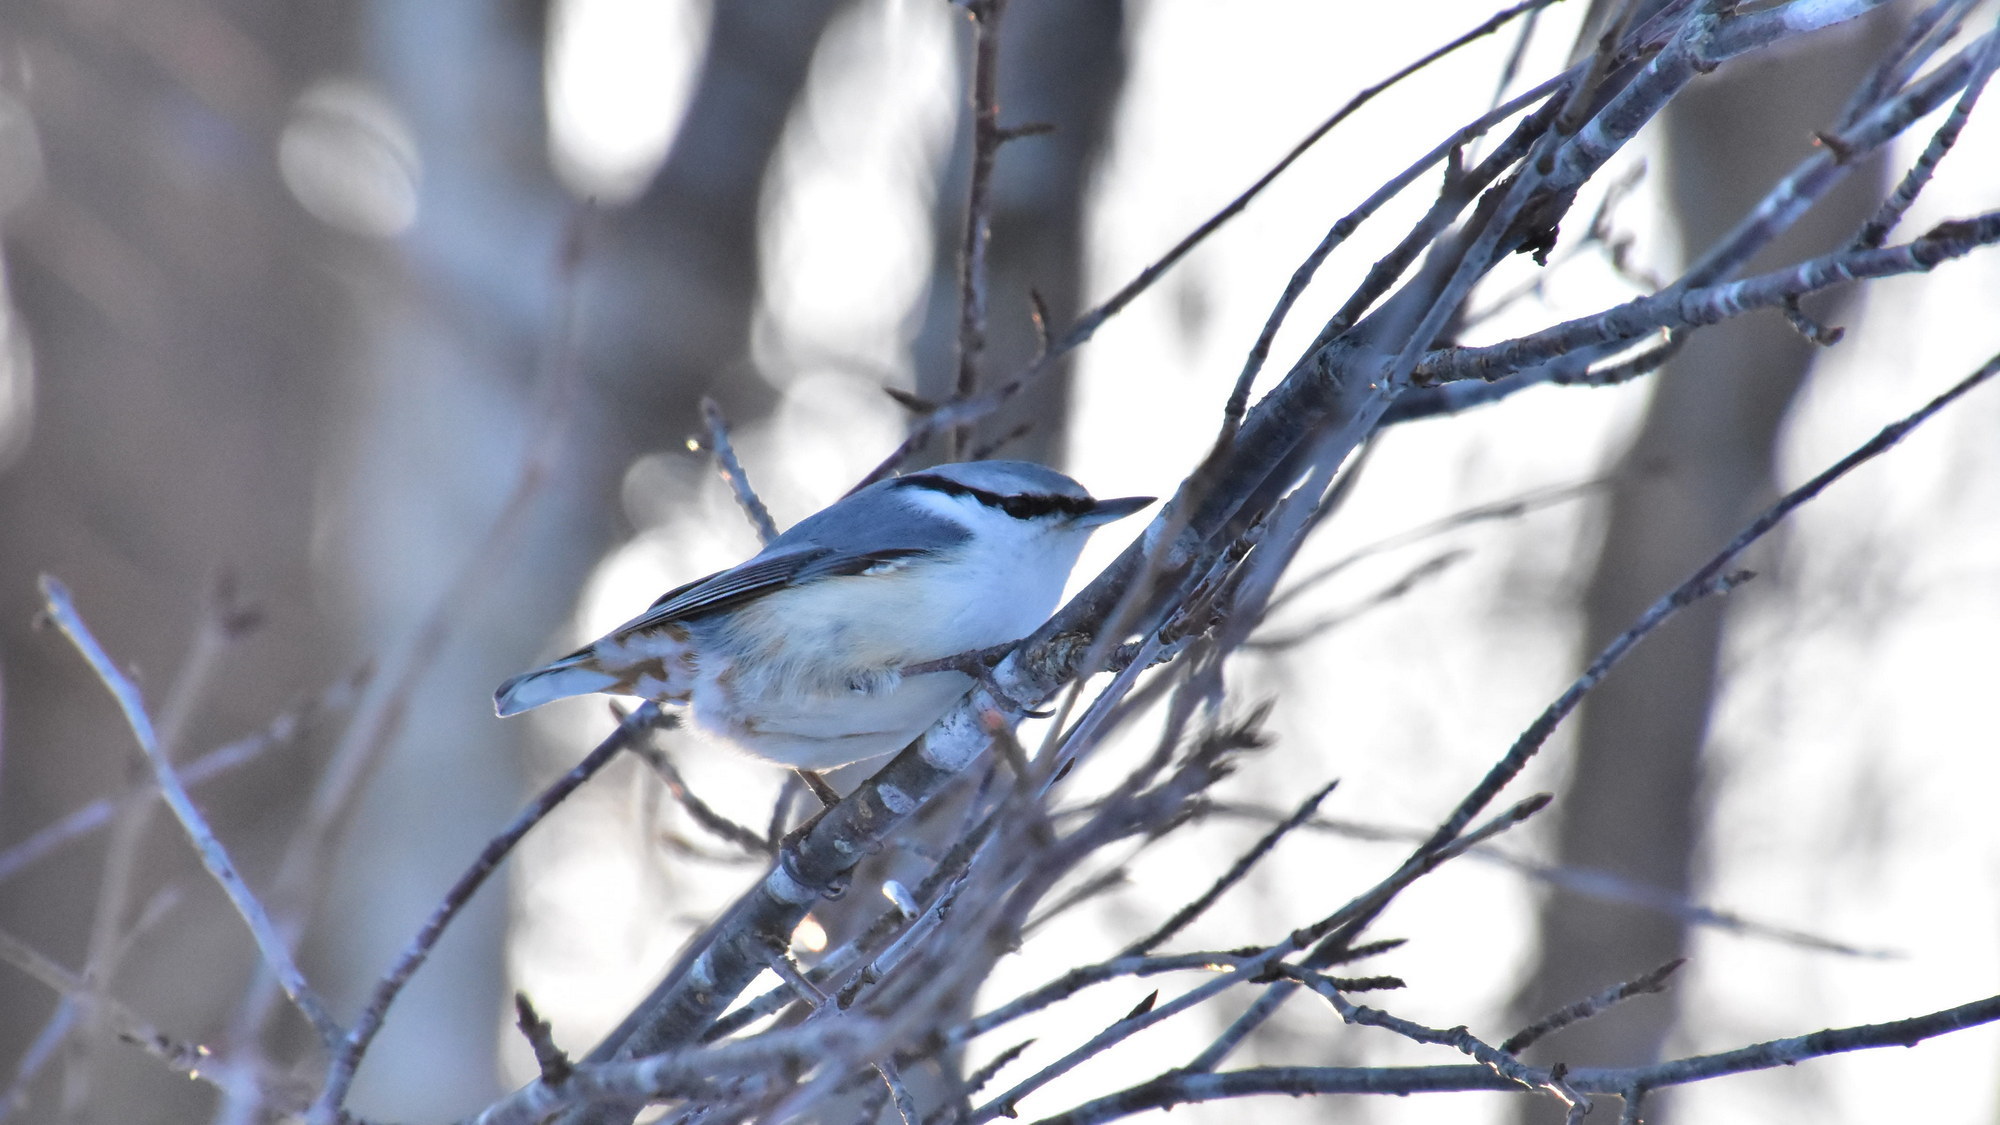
(276,952)
(1876,230)
(1655,981)
(1239,395)
(1498,1059)
(1177,1088)
(963,413)
(1712,577)
(987,137)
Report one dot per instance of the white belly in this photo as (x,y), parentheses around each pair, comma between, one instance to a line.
(805,677)
(820,731)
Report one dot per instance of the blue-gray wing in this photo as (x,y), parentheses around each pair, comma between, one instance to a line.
(731,587)
(869,529)
(757,577)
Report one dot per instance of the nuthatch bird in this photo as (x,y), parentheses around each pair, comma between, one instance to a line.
(796,655)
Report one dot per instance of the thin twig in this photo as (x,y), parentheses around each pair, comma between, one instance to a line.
(1584,882)
(945,415)
(733,475)
(1511,508)
(1084,976)
(986,140)
(1239,396)
(1609,41)
(1335,932)
(1573,369)
(1500,1060)
(277,954)
(350,1049)
(182,1057)
(1244,969)
(1709,578)
(45,1047)
(1178,1088)
(1712,304)
(220,622)
(1395,591)
(701,811)
(788,970)
(1655,981)
(1231,877)
(1511,69)
(874,1098)
(90,817)
(1102,883)
(906,1106)
(550,1060)
(1876,230)
(1928,31)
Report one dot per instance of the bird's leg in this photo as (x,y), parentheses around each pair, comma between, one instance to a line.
(974,662)
(827,795)
(788,848)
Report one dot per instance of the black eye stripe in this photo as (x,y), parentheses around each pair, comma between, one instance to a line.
(1020,507)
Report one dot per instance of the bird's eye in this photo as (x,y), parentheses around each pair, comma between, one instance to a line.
(1020,507)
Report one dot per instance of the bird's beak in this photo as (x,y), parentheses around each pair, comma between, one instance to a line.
(1108,510)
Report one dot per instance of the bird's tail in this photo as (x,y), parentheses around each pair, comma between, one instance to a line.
(575,674)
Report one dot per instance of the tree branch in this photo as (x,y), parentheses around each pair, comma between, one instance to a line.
(1677,308)
(351,1047)
(276,952)
(1184,1088)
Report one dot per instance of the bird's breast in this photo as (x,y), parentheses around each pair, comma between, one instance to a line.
(878,621)
(810,676)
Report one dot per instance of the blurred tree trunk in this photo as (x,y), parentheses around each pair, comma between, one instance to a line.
(676,279)
(1061,65)
(662,300)
(1699,468)
(187,336)
(451,348)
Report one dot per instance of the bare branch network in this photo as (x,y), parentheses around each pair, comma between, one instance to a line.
(850,1025)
